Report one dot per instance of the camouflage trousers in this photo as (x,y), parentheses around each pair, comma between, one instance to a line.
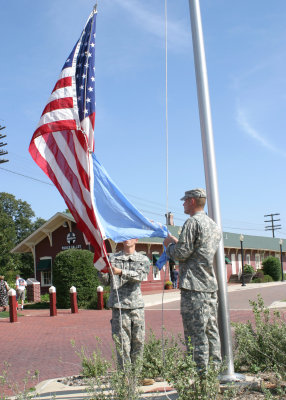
(199,314)
(131,334)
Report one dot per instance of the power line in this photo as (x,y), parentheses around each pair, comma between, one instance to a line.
(139,198)
(26,176)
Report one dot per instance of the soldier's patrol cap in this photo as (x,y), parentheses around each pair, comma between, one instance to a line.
(196,193)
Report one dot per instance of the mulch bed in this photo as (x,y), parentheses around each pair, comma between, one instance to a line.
(264,380)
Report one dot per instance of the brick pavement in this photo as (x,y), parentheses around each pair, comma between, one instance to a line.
(40,342)
(43,343)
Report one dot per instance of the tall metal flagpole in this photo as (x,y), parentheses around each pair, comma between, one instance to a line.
(211,184)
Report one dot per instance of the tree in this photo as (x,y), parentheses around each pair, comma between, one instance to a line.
(19,213)
(74,268)
(38,223)
(16,223)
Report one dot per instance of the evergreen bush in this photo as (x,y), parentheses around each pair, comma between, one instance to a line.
(267,278)
(92,304)
(74,268)
(248,269)
(272,267)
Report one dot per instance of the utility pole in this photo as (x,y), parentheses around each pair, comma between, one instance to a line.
(2,144)
(272,227)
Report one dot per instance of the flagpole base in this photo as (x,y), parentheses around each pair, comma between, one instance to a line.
(232,378)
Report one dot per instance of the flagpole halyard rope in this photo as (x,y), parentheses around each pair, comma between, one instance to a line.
(166,104)
(167,174)
(120,316)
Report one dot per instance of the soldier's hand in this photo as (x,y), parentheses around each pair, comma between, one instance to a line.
(170,239)
(116,271)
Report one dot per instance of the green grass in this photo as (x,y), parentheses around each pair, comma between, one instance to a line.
(37,306)
(5,314)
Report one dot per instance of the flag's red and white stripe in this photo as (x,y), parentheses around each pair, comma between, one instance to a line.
(62,150)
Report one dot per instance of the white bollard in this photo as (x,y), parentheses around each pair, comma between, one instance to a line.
(12,305)
(73,300)
(100,302)
(73,289)
(53,301)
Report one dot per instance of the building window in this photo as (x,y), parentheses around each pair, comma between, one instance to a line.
(239,265)
(46,278)
(247,259)
(156,271)
(45,268)
(257,261)
(233,264)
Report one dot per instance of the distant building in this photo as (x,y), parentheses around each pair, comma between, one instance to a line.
(61,233)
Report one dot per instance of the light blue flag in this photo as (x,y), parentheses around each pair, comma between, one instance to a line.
(119,220)
(162,260)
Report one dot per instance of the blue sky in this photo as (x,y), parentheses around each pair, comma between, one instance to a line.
(245,46)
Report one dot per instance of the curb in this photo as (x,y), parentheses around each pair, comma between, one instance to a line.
(62,391)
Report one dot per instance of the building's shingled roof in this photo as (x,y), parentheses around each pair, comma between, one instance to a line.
(231,240)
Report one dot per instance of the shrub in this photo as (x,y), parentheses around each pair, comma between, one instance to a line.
(45,297)
(248,269)
(167,360)
(74,268)
(272,267)
(94,364)
(257,280)
(183,375)
(103,384)
(261,347)
(267,278)
(259,274)
(157,354)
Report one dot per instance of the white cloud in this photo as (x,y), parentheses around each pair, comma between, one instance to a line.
(179,38)
(254,134)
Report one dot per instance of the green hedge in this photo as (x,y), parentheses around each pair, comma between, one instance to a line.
(272,267)
(264,279)
(92,304)
(74,268)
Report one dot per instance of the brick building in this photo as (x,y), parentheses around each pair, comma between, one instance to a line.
(60,233)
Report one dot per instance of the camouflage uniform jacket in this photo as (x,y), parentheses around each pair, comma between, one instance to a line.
(195,250)
(135,268)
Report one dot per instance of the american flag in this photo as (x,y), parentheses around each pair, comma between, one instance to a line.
(64,139)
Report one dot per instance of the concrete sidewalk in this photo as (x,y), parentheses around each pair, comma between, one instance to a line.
(168,296)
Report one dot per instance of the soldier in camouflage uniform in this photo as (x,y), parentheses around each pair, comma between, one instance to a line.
(129,269)
(195,250)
